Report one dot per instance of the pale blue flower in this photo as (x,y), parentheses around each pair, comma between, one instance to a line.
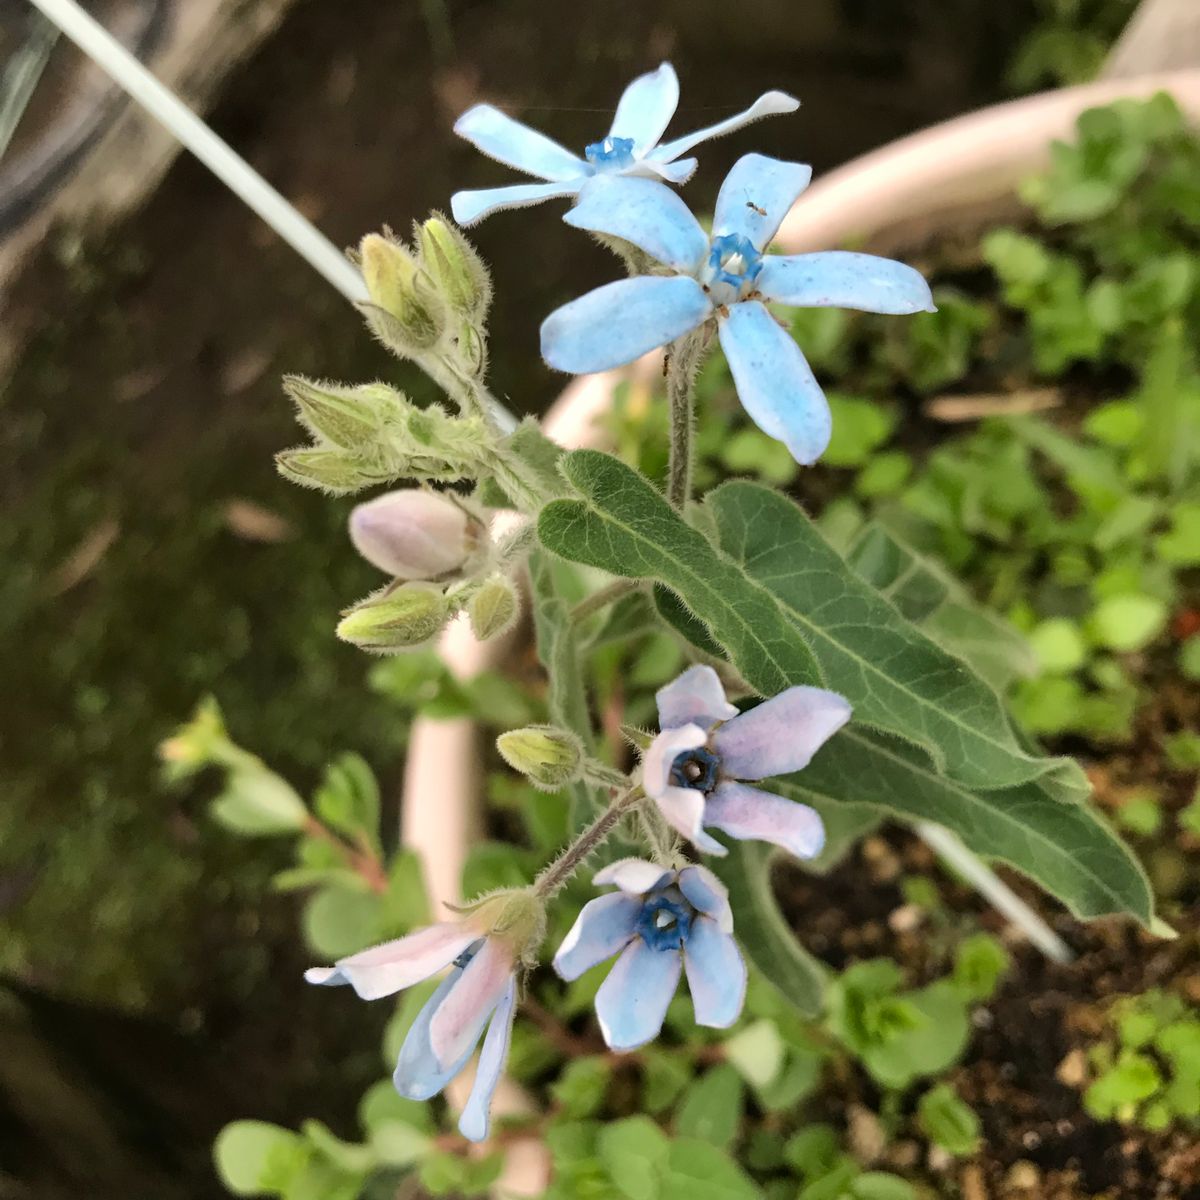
(694,768)
(631,147)
(661,922)
(726,277)
(480,990)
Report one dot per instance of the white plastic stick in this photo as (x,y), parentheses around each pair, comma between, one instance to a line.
(233,171)
(993,889)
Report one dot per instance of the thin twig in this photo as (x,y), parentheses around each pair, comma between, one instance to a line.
(607,595)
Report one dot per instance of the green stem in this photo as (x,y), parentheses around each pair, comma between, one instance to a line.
(683,358)
(556,876)
(590,605)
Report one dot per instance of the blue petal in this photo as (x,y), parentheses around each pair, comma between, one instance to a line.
(473,1124)
(632,1001)
(603,928)
(644,212)
(766,105)
(622,321)
(757,182)
(516,145)
(418,1074)
(646,108)
(782,734)
(695,698)
(707,894)
(752,815)
(716,974)
(841,279)
(774,382)
(469,207)
(672,172)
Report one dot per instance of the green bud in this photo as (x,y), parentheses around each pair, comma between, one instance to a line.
(396,619)
(349,417)
(514,915)
(455,267)
(330,470)
(200,743)
(493,608)
(405,311)
(472,350)
(550,758)
(257,802)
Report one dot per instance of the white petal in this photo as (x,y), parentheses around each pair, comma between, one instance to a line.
(469,207)
(663,751)
(695,698)
(646,108)
(750,814)
(634,876)
(506,140)
(756,183)
(767,105)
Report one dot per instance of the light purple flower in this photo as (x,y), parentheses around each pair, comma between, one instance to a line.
(632,146)
(479,991)
(726,278)
(661,922)
(693,769)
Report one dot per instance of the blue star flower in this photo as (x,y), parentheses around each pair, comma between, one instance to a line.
(631,147)
(693,770)
(480,990)
(728,278)
(661,923)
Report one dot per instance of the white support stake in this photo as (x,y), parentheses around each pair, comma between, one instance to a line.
(232,170)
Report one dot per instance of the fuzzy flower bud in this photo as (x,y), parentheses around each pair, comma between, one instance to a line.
(550,758)
(349,417)
(396,620)
(333,471)
(493,608)
(455,267)
(415,534)
(406,313)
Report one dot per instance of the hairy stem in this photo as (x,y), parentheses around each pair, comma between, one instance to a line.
(607,595)
(683,358)
(555,877)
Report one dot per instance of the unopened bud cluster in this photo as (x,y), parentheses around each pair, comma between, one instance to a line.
(549,757)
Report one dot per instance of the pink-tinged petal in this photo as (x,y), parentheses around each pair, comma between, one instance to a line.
(635,876)
(419,1075)
(705,892)
(749,814)
(389,968)
(604,927)
(473,1124)
(782,734)
(460,1018)
(695,698)
(661,755)
(716,974)
(632,1001)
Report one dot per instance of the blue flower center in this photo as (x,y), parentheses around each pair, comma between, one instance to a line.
(733,267)
(696,769)
(665,921)
(612,154)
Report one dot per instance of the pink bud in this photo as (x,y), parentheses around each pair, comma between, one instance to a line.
(414,534)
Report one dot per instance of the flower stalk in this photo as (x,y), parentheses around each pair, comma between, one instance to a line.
(558,874)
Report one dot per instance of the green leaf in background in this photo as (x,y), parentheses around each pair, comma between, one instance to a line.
(947,1121)
(859,428)
(697,1170)
(713,1107)
(1127,623)
(635,1153)
(338,921)
(757,1052)
(258,803)
(348,798)
(253,1157)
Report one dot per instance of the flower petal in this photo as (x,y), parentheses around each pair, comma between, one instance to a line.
(749,814)
(632,1001)
(389,968)
(683,810)
(841,279)
(716,974)
(460,1018)
(605,926)
(469,207)
(672,172)
(694,698)
(622,321)
(646,108)
(634,876)
(782,734)
(644,212)
(767,105)
(516,145)
(419,1075)
(706,893)
(473,1123)
(758,182)
(774,382)
(663,751)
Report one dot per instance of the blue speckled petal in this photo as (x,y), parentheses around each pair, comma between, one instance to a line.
(646,108)
(621,321)
(780,735)
(469,207)
(694,698)
(767,105)
(750,814)
(418,1074)
(841,279)
(644,212)
(756,183)
(516,145)
(716,974)
(632,1001)
(602,929)
(774,382)
(473,1124)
